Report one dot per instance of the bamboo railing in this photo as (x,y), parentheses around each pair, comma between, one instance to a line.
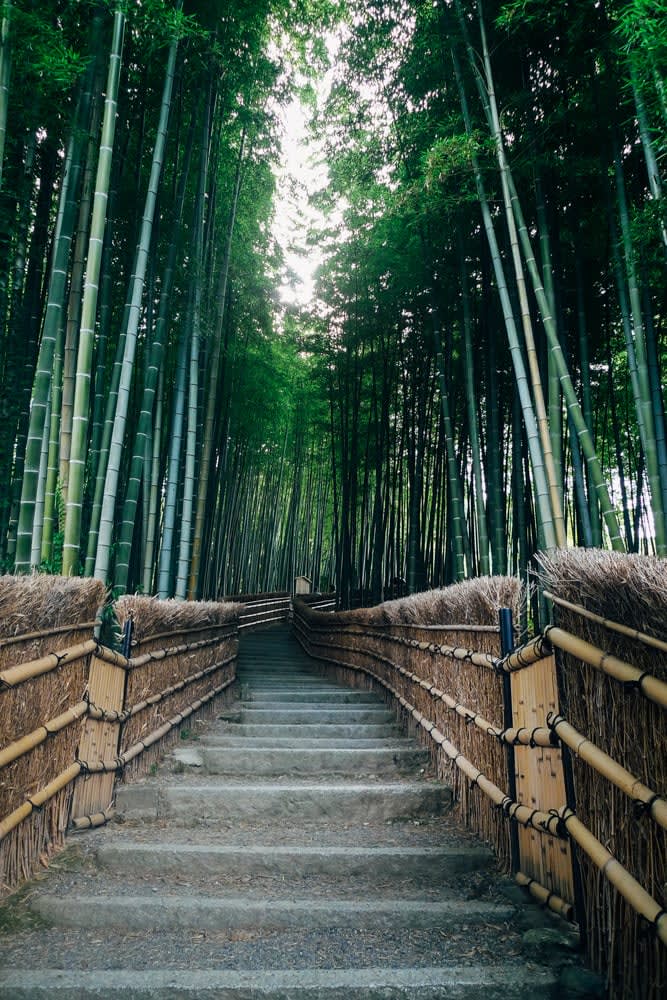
(77,718)
(524,776)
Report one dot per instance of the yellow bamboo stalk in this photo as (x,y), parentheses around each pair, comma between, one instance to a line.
(651,687)
(46,633)
(547,823)
(39,799)
(546,897)
(230,626)
(639,899)
(13,676)
(95,819)
(108,766)
(31,740)
(656,805)
(632,633)
(532,652)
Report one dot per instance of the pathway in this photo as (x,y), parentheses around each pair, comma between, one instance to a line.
(298,850)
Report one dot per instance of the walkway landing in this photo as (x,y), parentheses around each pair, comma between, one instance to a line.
(295,849)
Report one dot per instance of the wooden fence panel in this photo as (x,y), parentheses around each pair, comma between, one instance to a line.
(540,781)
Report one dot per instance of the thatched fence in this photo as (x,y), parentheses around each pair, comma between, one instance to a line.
(76,714)
(558,760)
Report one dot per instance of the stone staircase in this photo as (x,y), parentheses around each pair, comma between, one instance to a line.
(298,850)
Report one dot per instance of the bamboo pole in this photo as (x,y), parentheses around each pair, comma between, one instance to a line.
(14,676)
(46,633)
(655,805)
(528,654)
(543,822)
(28,742)
(546,897)
(639,899)
(651,687)
(120,762)
(632,633)
(39,799)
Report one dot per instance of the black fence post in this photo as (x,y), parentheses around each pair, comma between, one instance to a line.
(506,646)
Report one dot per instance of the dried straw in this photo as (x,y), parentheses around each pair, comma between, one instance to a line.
(41,604)
(629,729)
(152,616)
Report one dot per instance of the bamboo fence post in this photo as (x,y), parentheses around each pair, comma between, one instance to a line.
(506,647)
(100,739)
(539,775)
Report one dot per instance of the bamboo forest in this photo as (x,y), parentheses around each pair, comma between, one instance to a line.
(478,370)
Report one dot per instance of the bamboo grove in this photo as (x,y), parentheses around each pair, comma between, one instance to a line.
(481,374)
(494,295)
(156,431)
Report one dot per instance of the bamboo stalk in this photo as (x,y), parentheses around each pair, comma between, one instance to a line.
(651,687)
(546,823)
(94,820)
(106,716)
(639,899)
(20,747)
(46,633)
(632,633)
(39,799)
(528,654)
(546,897)
(120,762)
(656,805)
(14,676)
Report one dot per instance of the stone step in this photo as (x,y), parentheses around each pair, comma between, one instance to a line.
(338,803)
(214,739)
(351,731)
(316,715)
(297,761)
(452,982)
(158,911)
(295,862)
(295,696)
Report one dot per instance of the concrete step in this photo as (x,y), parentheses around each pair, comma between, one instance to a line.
(213,740)
(295,862)
(351,731)
(316,715)
(265,760)
(332,696)
(163,912)
(339,803)
(467,982)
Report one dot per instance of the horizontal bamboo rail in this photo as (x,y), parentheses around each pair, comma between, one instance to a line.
(539,736)
(47,633)
(650,801)
(649,685)
(119,763)
(40,798)
(525,656)
(31,740)
(639,899)
(626,630)
(543,822)
(13,676)
(230,628)
(104,715)
(545,897)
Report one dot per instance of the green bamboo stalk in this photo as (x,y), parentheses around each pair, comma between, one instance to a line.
(89,308)
(5,74)
(135,297)
(53,321)
(543,502)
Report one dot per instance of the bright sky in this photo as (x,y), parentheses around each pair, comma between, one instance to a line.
(299,175)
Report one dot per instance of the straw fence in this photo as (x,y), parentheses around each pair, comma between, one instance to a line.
(560,760)
(76,715)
